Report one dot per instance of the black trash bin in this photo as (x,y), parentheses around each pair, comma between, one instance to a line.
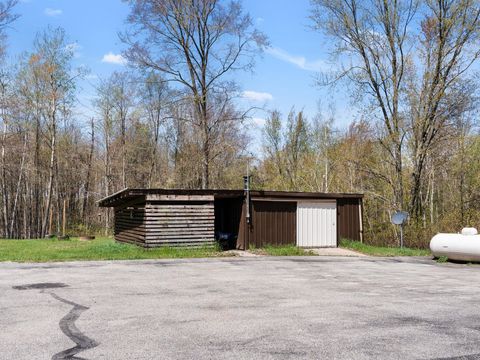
(226,241)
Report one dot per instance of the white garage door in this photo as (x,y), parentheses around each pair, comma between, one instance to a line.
(317,224)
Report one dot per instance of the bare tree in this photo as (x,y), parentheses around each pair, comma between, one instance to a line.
(7,17)
(121,86)
(156,99)
(105,109)
(88,176)
(374,33)
(52,61)
(196,44)
(449,46)
(5,106)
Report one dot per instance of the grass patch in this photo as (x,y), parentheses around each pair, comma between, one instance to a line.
(287,250)
(442,259)
(51,250)
(382,251)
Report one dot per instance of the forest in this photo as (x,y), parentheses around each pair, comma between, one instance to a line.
(172,118)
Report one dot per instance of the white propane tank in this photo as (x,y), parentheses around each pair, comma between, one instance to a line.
(463,247)
(469,231)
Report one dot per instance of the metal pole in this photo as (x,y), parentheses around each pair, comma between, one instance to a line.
(401,236)
(246,180)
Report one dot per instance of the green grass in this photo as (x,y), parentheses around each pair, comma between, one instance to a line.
(51,250)
(382,251)
(288,250)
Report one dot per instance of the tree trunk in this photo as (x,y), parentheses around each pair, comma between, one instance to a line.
(399,195)
(19,183)
(89,171)
(153,166)
(35,219)
(51,175)
(107,174)
(4,183)
(203,110)
(417,174)
(432,196)
(124,153)
(206,166)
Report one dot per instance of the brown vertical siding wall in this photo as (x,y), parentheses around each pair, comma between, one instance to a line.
(273,223)
(349,219)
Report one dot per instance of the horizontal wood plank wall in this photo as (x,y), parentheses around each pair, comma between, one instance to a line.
(129,224)
(349,219)
(179,223)
(273,223)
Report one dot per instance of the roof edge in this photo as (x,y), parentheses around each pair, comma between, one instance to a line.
(129,193)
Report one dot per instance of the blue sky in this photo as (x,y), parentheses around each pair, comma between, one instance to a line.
(283,77)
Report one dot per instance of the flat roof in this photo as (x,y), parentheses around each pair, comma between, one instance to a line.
(128,194)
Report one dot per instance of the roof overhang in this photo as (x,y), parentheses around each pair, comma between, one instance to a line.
(128,195)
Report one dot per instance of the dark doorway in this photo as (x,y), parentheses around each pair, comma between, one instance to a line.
(228,212)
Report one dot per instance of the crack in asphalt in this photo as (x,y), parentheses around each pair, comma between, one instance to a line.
(67,323)
(40,286)
(68,327)
(463,357)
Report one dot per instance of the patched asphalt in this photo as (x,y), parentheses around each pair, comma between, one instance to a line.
(241,308)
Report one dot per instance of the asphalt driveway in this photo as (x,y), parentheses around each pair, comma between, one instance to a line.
(241,308)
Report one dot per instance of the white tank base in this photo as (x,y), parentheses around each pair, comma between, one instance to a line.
(457,246)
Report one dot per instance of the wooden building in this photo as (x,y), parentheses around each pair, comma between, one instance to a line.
(160,217)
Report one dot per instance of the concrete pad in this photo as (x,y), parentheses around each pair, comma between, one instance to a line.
(336,252)
(241,253)
(241,308)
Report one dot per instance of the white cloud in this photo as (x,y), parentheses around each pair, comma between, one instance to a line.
(91,77)
(112,58)
(299,61)
(257,96)
(52,12)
